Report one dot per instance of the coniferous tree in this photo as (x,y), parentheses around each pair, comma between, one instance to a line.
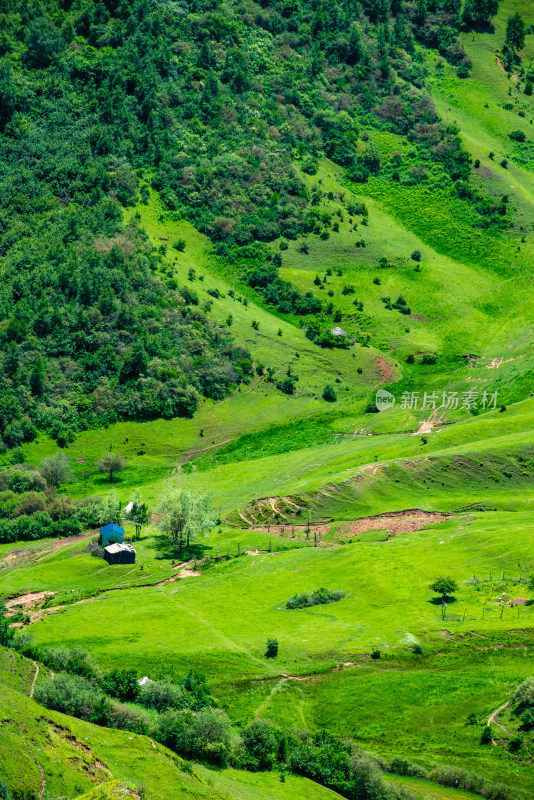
(515,32)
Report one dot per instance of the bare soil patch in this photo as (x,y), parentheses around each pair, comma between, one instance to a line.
(385,371)
(427,425)
(394,522)
(27,601)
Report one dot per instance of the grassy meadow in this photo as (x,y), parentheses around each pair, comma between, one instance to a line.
(472,307)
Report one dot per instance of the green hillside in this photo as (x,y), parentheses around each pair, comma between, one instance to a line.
(224,227)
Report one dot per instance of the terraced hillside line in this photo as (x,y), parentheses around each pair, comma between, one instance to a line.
(42,786)
(394,522)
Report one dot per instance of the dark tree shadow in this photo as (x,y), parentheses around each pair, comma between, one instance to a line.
(166,550)
(437,601)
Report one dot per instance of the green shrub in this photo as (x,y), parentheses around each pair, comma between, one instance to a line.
(405,767)
(517,136)
(69,694)
(485,737)
(457,778)
(128,717)
(162,695)
(272,648)
(524,695)
(329,394)
(260,743)
(203,736)
(121,684)
(316,598)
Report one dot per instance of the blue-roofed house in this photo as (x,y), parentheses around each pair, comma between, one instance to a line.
(111,532)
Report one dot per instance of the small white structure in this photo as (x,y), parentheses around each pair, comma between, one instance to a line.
(144,681)
(337,331)
(129,507)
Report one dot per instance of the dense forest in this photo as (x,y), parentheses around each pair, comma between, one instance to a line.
(218,106)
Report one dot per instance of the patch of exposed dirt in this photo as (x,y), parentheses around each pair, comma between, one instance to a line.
(495,363)
(420,317)
(427,425)
(27,601)
(385,371)
(188,573)
(394,522)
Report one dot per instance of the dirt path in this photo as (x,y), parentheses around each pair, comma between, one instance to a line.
(196,453)
(492,718)
(32,687)
(385,371)
(33,599)
(276,688)
(20,558)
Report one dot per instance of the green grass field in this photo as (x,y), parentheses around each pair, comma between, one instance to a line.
(471,295)
(471,660)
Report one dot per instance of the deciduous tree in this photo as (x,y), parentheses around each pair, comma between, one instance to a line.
(186,516)
(444,585)
(111,463)
(55,469)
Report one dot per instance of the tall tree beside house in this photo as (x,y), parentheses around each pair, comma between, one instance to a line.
(110,510)
(186,516)
(138,513)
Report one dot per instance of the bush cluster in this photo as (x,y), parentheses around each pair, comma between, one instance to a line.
(31,508)
(316,598)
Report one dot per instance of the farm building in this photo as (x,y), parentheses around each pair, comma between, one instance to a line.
(113,532)
(119,554)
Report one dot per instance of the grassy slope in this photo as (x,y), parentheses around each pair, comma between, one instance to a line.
(193,622)
(467,296)
(387,600)
(73,756)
